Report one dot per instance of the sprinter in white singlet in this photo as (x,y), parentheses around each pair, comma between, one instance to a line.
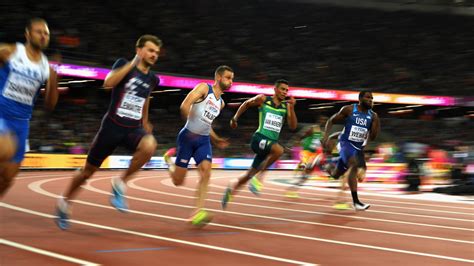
(200,107)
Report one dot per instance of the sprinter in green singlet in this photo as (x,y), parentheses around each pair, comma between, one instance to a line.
(264,143)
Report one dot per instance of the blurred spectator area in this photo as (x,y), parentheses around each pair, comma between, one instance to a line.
(311,44)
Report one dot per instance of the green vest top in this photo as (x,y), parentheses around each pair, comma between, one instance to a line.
(271,119)
(312,142)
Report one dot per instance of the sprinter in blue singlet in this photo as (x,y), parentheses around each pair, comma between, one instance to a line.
(23,70)
(360,125)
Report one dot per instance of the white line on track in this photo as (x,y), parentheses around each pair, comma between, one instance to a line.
(134,186)
(402,197)
(189,243)
(321,213)
(282,191)
(45,252)
(312,189)
(376,211)
(36,186)
(325,206)
(285,175)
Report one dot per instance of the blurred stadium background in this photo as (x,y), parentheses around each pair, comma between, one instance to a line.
(395,48)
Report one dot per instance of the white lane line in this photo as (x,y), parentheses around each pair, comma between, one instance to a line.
(282,175)
(165,182)
(282,191)
(225,173)
(330,207)
(54,174)
(192,175)
(45,252)
(184,242)
(377,211)
(36,186)
(402,197)
(315,212)
(230,174)
(132,184)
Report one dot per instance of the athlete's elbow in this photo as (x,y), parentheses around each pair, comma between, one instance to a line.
(108,84)
(111,81)
(183,109)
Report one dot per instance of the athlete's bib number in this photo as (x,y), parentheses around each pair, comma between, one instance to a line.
(131,107)
(22,86)
(273,122)
(211,111)
(358,134)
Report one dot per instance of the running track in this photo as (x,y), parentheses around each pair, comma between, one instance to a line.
(266,230)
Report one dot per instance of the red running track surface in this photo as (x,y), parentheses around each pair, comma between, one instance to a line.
(266,230)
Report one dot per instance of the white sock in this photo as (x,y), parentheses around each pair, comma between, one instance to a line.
(63,205)
(118,183)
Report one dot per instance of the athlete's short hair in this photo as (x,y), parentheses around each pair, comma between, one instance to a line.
(221,69)
(362,93)
(148,38)
(280,81)
(29,24)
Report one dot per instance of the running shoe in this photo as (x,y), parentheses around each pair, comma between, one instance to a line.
(62,218)
(359,206)
(117,199)
(200,218)
(226,198)
(167,157)
(292,194)
(342,206)
(255,186)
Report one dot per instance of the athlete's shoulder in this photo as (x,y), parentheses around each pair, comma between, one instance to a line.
(373,114)
(264,99)
(260,99)
(202,86)
(347,109)
(119,63)
(202,89)
(17,46)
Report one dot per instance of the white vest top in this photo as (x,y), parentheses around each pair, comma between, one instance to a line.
(26,77)
(203,113)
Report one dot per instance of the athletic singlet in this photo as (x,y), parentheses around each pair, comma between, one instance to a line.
(20,81)
(130,95)
(356,128)
(312,142)
(271,119)
(203,113)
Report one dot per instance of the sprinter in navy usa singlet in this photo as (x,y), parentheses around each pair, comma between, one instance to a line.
(360,125)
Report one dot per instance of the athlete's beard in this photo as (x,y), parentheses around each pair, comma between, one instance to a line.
(147,64)
(366,105)
(223,85)
(36,46)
